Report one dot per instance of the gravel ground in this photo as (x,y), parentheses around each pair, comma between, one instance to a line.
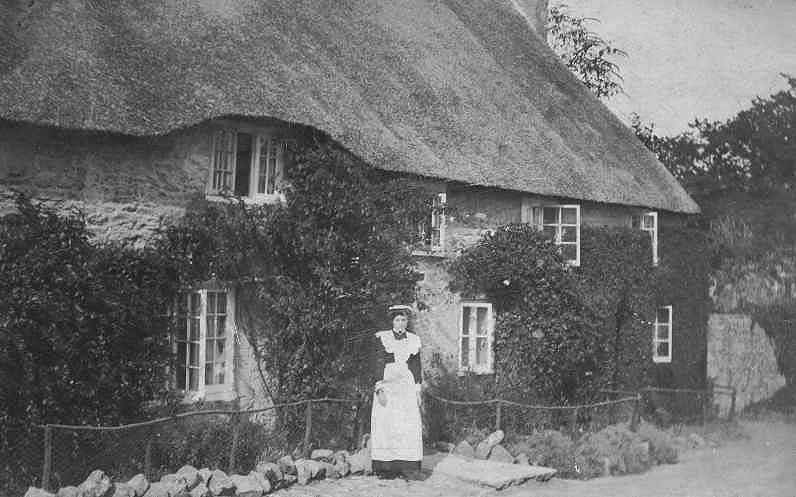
(764,465)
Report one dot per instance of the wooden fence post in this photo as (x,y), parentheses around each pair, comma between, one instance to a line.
(308,428)
(48,457)
(498,414)
(573,421)
(732,404)
(148,459)
(704,397)
(234,446)
(634,417)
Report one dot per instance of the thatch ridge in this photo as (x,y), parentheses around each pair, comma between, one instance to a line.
(453,89)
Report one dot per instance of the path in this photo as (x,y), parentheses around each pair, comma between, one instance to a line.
(762,466)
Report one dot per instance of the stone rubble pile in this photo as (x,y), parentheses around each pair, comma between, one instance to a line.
(191,482)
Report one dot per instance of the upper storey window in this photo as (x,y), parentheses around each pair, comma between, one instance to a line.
(248,164)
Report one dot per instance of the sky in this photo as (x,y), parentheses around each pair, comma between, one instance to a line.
(694,58)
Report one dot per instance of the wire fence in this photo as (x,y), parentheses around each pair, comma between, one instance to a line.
(53,456)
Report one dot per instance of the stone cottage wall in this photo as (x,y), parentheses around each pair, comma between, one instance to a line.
(740,354)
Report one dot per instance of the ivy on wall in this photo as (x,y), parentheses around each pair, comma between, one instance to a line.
(316,274)
(563,333)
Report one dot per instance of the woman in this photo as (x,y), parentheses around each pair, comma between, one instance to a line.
(396,438)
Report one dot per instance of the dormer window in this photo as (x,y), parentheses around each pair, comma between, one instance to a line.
(247,164)
(562,224)
(432,229)
(648,222)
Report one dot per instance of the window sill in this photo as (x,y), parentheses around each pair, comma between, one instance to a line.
(277,198)
(476,372)
(437,253)
(215,395)
(662,360)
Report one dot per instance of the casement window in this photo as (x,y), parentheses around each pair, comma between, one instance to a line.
(476,334)
(648,222)
(248,165)
(662,335)
(562,224)
(203,341)
(432,229)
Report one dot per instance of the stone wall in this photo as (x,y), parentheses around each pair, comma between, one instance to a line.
(740,354)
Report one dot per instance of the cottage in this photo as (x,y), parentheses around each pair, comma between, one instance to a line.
(132,110)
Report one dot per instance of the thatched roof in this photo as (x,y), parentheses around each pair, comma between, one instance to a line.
(454,89)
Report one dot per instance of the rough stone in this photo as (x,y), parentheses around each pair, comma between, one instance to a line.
(96,485)
(272,471)
(495,438)
(523,459)
(123,490)
(287,465)
(221,484)
(308,470)
(246,486)
(695,441)
(341,469)
(341,456)
(322,455)
(200,490)
(139,483)
(157,489)
(68,492)
(500,454)
(492,474)
(188,476)
(176,485)
(361,462)
(205,474)
(262,480)
(38,492)
(289,480)
(464,449)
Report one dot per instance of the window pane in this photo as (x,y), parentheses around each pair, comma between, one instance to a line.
(465,320)
(662,332)
(209,350)
(243,163)
(481,323)
(569,215)
(569,234)
(480,351)
(193,379)
(648,222)
(193,327)
(181,376)
(662,349)
(570,252)
(211,302)
(196,304)
(550,215)
(211,326)
(549,231)
(221,303)
(223,147)
(193,354)
(663,315)
(465,351)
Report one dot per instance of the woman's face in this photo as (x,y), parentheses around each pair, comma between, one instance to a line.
(399,322)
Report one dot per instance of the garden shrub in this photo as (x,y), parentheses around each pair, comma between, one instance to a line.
(85,326)
(549,448)
(614,450)
(663,449)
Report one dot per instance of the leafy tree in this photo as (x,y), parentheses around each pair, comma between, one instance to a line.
(82,327)
(585,53)
(315,275)
(755,151)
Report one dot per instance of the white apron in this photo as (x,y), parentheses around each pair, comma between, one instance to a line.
(396,432)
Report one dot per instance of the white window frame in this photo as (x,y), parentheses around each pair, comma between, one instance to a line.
(222,391)
(537,220)
(655,335)
(472,367)
(261,140)
(653,231)
(437,223)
